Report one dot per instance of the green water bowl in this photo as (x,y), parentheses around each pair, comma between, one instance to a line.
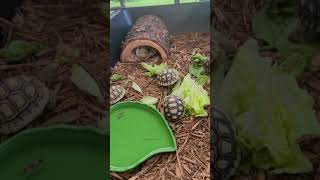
(57,152)
(137,132)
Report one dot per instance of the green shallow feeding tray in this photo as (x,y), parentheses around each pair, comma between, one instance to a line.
(137,132)
(66,152)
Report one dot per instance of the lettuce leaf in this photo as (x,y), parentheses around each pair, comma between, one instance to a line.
(154,69)
(199,59)
(18,50)
(116,77)
(196,69)
(194,97)
(136,87)
(149,100)
(275,29)
(270,113)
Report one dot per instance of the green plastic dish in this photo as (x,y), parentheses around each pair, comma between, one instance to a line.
(57,152)
(137,132)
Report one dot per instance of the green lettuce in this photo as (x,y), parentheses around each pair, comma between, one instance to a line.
(18,50)
(274,26)
(149,100)
(154,69)
(196,69)
(194,97)
(116,77)
(199,59)
(269,111)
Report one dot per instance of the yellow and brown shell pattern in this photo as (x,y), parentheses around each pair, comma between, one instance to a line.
(167,77)
(117,92)
(22,99)
(173,107)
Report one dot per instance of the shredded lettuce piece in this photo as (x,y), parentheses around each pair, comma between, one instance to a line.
(199,59)
(196,69)
(149,100)
(275,28)
(194,97)
(18,50)
(116,77)
(270,113)
(136,87)
(154,69)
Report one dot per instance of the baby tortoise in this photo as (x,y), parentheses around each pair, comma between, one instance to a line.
(22,99)
(144,52)
(224,149)
(167,77)
(173,107)
(116,93)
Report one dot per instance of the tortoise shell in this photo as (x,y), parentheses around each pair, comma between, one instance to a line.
(144,52)
(167,77)
(225,150)
(173,107)
(22,99)
(116,93)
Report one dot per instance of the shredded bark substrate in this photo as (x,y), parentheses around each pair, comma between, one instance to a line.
(192,158)
(65,29)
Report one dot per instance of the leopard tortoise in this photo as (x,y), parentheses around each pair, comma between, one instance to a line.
(167,77)
(173,107)
(117,92)
(225,151)
(22,99)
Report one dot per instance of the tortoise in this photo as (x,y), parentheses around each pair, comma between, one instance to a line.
(22,99)
(144,52)
(116,93)
(173,107)
(167,77)
(224,148)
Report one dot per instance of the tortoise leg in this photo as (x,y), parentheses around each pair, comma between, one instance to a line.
(165,91)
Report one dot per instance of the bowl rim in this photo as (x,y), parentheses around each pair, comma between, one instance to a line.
(152,153)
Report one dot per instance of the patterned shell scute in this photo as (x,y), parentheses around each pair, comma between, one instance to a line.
(22,99)
(167,77)
(116,93)
(224,150)
(173,107)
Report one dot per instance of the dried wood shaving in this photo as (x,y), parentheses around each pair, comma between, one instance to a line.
(77,26)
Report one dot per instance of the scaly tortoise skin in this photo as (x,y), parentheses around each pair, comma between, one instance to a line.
(173,107)
(144,52)
(22,99)
(224,149)
(167,77)
(116,93)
